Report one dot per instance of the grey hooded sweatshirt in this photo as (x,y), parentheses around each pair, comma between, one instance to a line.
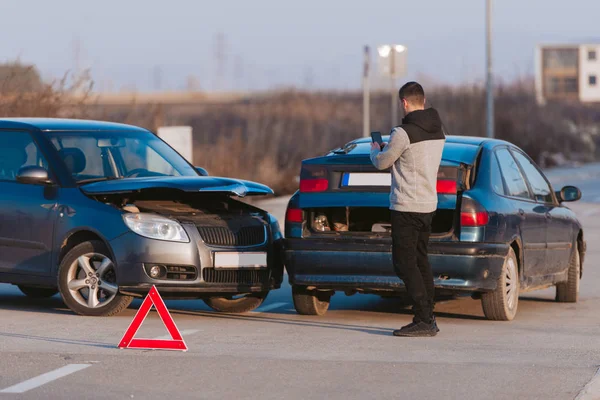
(414,153)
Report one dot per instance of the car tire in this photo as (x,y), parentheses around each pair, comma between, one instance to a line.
(88,269)
(502,303)
(568,292)
(310,302)
(37,292)
(236,306)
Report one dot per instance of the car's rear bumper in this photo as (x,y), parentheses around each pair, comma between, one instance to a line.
(132,253)
(346,265)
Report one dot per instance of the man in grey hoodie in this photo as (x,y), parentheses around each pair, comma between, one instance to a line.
(413,153)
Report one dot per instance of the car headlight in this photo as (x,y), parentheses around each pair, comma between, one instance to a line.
(155,227)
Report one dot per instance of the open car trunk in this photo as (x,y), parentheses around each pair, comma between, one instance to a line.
(368,220)
(355,199)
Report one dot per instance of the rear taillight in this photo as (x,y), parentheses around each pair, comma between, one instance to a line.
(294,215)
(472,214)
(446,186)
(313,185)
(474,218)
(313,178)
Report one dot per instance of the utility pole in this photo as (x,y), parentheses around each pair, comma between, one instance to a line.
(490,84)
(238,72)
(366,94)
(393,87)
(76,57)
(157,78)
(220,60)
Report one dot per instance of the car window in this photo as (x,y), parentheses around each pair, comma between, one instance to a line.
(90,165)
(513,179)
(540,187)
(118,155)
(139,155)
(496,176)
(17,150)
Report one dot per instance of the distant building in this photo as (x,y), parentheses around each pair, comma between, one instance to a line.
(568,72)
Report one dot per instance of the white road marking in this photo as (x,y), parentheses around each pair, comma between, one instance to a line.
(591,391)
(184,332)
(270,307)
(45,378)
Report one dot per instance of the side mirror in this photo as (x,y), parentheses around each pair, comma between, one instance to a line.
(33,174)
(201,171)
(569,193)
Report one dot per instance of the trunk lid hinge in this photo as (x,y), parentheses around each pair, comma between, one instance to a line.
(464,177)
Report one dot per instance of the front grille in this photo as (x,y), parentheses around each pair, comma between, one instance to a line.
(181,273)
(241,277)
(229,237)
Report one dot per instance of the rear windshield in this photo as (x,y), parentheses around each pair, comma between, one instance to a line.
(453,152)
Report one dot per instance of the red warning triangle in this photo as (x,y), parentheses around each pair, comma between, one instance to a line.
(176,343)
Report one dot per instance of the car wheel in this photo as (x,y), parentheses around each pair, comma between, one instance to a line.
(241,304)
(37,292)
(87,281)
(502,303)
(310,302)
(568,292)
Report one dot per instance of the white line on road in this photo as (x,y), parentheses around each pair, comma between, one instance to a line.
(591,391)
(184,332)
(270,307)
(45,378)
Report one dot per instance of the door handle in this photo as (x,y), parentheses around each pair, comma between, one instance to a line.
(521,212)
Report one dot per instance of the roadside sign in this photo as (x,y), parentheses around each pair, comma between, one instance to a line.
(180,138)
(175,343)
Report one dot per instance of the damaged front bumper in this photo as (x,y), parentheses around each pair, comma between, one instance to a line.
(366,266)
(190,267)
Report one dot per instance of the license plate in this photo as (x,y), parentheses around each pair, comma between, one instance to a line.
(366,179)
(225,260)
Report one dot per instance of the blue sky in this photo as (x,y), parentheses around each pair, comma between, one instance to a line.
(159,44)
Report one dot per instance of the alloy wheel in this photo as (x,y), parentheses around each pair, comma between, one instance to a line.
(91,280)
(512,284)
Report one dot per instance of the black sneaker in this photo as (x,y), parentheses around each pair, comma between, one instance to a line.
(419,329)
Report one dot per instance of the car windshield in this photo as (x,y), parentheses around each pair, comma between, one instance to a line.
(96,156)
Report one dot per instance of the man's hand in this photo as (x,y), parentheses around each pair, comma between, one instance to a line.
(375,145)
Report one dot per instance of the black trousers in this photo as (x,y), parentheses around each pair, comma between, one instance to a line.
(410,238)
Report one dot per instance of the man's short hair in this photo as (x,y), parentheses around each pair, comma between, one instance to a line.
(413,93)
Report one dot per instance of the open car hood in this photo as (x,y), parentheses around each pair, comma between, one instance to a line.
(191,184)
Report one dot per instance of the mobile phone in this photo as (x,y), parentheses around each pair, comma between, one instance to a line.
(376,137)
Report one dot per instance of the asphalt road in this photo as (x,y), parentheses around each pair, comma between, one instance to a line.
(550,351)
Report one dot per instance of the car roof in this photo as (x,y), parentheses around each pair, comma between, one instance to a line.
(64,124)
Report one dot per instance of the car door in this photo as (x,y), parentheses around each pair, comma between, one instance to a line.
(529,216)
(27,211)
(559,232)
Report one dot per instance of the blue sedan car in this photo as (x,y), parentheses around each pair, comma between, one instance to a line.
(499,230)
(101,212)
